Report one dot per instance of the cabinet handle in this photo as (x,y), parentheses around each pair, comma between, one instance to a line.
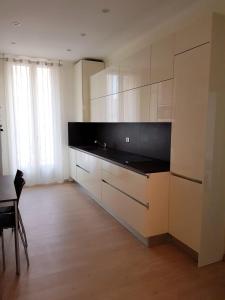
(82,168)
(187,178)
(146,205)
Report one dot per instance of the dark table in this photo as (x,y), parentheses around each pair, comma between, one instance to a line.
(8,197)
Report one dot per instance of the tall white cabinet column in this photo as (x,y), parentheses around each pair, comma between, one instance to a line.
(197,193)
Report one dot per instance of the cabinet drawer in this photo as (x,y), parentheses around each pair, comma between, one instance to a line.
(133,213)
(83,160)
(72,162)
(90,181)
(127,181)
(82,176)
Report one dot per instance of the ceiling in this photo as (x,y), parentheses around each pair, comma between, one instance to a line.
(49,27)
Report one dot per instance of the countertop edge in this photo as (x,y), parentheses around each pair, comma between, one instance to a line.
(117,163)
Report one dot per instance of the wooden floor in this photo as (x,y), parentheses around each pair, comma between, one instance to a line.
(77,251)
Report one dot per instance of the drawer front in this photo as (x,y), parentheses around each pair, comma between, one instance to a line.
(72,162)
(83,160)
(82,176)
(133,184)
(90,181)
(125,208)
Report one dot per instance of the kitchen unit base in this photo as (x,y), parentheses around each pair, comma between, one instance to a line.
(147,241)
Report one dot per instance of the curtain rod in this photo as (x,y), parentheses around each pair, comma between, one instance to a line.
(31,61)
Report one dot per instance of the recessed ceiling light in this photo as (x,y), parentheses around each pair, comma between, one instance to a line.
(16,23)
(105,10)
(13,43)
(68,50)
(83,34)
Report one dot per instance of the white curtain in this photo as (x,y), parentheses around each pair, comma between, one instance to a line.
(34,121)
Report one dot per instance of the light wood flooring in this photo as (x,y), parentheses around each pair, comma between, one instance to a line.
(78,252)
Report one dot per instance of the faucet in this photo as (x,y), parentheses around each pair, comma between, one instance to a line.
(104,145)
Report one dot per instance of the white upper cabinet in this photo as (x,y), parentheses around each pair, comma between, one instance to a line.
(82,72)
(98,110)
(112,80)
(98,84)
(161,101)
(194,35)
(190,112)
(135,70)
(114,108)
(136,104)
(162,55)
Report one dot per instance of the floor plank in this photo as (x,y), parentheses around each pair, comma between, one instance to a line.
(77,251)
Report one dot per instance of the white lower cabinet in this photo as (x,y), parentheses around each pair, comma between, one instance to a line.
(132,183)
(139,201)
(72,160)
(126,209)
(88,170)
(185,210)
(147,219)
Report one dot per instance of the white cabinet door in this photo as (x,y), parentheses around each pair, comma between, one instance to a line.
(98,84)
(72,162)
(112,79)
(162,55)
(161,101)
(98,110)
(114,108)
(190,109)
(136,104)
(135,70)
(196,34)
(185,211)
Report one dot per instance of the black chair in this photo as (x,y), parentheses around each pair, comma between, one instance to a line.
(19,174)
(7,220)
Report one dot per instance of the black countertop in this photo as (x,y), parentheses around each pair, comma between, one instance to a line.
(141,164)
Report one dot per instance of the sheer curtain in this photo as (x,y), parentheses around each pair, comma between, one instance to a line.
(34,121)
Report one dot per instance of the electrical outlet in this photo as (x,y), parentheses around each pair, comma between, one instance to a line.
(127,140)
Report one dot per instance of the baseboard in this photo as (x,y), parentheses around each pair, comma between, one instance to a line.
(159,239)
(192,253)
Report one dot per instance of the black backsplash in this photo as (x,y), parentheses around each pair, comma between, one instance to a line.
(149,139)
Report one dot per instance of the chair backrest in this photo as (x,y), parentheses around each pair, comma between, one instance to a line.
(19,184)
(19,174)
